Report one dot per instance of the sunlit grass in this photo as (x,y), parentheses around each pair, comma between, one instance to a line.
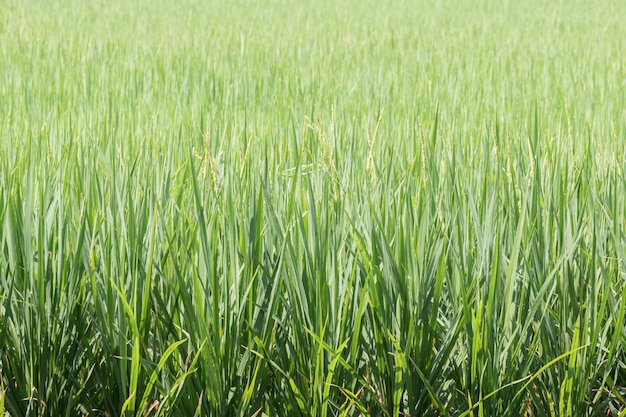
(320,209)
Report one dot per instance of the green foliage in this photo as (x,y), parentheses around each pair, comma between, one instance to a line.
(282,208)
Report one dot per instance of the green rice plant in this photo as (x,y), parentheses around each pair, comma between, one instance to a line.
(326,209)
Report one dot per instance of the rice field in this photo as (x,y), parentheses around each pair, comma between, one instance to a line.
(298,208)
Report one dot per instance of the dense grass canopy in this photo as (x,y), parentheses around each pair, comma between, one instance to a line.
(299,208)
